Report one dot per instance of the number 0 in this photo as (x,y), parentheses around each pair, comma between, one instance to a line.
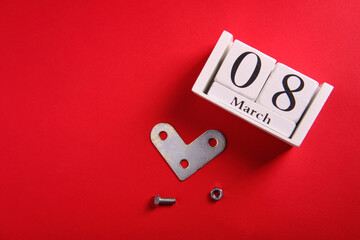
(253,75)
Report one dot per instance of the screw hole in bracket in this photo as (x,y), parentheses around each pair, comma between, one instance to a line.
(184,163)
(163,135)
(213,142)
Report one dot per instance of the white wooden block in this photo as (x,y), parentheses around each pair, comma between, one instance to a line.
(287,92)
(302,128)
(206,79)
(213,63)
(245,70)
(251,109)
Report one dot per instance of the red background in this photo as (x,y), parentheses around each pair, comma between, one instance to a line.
(82,83)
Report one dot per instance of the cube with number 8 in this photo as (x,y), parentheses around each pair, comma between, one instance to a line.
(287,92)
(245,70)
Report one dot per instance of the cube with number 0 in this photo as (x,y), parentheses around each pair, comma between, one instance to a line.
(245,70)
(287,92)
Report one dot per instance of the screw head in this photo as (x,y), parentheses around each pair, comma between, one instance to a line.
(157,199)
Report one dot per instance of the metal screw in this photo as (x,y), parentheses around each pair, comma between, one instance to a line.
(163,201)
(216,194)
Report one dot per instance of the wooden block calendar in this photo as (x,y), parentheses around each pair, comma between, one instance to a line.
(263,92)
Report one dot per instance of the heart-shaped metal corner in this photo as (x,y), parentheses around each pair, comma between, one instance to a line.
(186,159)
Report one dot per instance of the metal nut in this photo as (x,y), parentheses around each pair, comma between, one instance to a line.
(216,194)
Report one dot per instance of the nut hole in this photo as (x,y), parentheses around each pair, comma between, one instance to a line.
(216,193)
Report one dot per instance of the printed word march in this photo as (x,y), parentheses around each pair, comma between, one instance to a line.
(252,112)
(251,109)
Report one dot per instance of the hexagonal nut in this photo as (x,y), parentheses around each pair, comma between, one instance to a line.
(216,194)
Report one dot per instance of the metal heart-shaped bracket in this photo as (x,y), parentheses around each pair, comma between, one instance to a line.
(196,154)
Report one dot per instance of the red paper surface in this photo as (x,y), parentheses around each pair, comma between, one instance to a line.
(82,83)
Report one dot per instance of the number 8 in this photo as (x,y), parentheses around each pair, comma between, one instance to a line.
(288,92)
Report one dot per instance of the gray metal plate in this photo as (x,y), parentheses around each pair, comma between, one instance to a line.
(197,153)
